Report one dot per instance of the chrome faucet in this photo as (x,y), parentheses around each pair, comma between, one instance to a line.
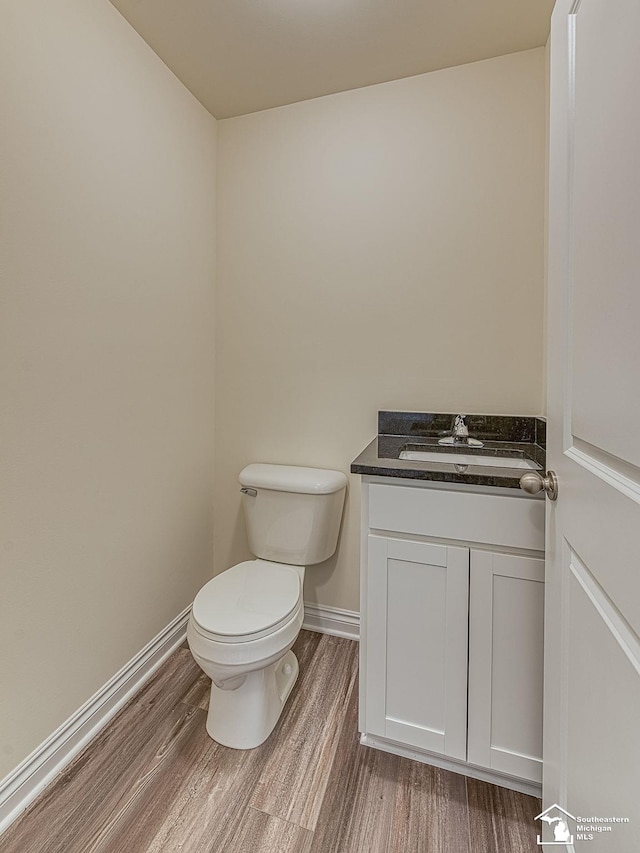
(459,435)
(459,430)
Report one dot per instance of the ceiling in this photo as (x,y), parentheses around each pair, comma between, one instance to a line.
(239,56)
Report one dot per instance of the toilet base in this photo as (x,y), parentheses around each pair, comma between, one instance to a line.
(245,717)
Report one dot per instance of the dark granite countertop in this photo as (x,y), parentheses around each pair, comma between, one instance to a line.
(501,436)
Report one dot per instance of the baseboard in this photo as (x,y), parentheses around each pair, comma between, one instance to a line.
(331,620)
(531,788)
(20,788)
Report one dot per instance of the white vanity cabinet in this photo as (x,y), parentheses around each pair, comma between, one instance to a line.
(451,627)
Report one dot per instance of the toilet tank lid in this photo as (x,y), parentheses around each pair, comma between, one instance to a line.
(291,478)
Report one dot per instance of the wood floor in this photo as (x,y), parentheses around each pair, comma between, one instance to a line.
(154,781)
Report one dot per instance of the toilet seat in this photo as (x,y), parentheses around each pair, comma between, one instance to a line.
(250,600)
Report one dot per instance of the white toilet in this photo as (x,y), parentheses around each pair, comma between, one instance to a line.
(244,621)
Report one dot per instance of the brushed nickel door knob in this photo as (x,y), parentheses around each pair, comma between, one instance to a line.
(532,482)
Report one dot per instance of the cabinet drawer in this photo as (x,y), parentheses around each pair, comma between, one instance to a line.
(512,522)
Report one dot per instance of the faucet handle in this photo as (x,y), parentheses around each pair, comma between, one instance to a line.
(459,426)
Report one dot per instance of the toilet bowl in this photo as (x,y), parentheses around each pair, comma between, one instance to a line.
(245,620)
(242,626)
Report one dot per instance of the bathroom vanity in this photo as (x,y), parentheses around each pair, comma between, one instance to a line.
(452,598)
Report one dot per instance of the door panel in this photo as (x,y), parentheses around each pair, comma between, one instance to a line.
(505,663)
(416,643)
(417,604)
(605,209)
(602,701)
(602,399)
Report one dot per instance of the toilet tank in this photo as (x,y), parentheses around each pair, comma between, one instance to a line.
(293,514)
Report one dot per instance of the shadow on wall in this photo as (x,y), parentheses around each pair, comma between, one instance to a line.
(316,577)
(238,542)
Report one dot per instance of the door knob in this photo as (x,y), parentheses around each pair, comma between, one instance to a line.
(533,483)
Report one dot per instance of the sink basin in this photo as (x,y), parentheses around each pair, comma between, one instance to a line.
(469,459)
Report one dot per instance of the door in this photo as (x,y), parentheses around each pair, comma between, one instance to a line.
(417,615)
(506,619)
(592,646)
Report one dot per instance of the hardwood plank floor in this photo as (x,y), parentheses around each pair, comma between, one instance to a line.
(154,782)
(383,802)
(294,779)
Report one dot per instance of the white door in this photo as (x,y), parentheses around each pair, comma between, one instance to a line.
(592,645)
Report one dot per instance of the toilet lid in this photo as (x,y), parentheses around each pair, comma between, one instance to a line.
(250,598)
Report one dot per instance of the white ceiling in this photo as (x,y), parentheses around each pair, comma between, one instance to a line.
(239,56)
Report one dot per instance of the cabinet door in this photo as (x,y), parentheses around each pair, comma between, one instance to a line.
(417,627)
(506,616)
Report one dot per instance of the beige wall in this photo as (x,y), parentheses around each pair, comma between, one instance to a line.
(380,248)
(107,265)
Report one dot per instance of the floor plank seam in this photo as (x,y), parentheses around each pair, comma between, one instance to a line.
(280,818)
(468,815)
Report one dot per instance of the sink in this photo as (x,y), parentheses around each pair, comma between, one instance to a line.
(469,459)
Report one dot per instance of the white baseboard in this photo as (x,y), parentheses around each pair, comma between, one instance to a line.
(531,788)
(22,785)
(331,620)
(20,788)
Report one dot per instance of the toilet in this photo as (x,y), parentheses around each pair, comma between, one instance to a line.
(244,621)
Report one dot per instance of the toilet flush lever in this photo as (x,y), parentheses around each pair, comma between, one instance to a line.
(252,492)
